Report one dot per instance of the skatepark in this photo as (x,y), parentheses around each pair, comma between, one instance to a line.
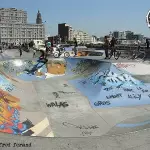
(74,103)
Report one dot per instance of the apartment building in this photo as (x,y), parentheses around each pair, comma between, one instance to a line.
(14,27)
(67,33)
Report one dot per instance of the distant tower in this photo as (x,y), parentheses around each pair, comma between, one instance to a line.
(39,18)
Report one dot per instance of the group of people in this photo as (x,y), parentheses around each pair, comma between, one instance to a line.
(112,43)
(108,45)
(43,55)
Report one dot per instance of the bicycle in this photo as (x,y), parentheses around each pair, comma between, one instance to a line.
(138,53)
(115,53)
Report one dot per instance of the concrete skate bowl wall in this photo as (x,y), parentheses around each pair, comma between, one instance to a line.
(71,115)
(32,70)
(106,85)
(20,110)
(21,119)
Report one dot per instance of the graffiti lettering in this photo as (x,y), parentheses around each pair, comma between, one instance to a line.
(119,86)
(132,82)
(99,103)
(128,90)
(118,78)
(139,88)
(82,127)
(135,96)
(65,85)
(84,133)
(120,65)
(62,92)
(83,82)
(56,94)
(114,96)
(144,91)
(58,104)
(109,88)
(9,89)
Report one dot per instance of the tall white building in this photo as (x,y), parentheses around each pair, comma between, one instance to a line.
(14,27)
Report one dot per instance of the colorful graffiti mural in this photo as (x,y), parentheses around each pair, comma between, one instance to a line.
(33,70)
(133,68)
(105,85)
(10,109)
(9,118)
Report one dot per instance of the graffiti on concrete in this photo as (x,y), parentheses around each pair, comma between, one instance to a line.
(33,70)
(108,89)
(108,83)
(114,96)
(65,85)
(81,127)
(128,90)
(99,103)
(135,96)
(142,89)
(86,133)
(6,85)
(58,104)
(9,118)
(57,94)
(124,65)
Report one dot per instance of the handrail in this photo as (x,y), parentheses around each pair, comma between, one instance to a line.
(129,47)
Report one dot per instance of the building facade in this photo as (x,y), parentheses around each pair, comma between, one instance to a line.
(63,31)
(67,33)
(14,27)
(81,36)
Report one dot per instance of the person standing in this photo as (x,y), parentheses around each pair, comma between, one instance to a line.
(20,50)
(75,46)
(112,45)
(147,43)
(106,46)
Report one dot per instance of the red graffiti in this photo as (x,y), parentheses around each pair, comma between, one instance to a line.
(120,65)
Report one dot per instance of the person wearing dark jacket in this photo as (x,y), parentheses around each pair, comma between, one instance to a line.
(147,43)
(106,46)
(75,46)
(112,45)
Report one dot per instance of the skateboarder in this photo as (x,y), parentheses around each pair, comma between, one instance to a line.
(42,54)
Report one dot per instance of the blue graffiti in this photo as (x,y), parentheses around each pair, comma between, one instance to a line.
(108,83)
(5,84)
(37,66)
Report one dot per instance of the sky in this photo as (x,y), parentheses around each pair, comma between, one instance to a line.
(97,17)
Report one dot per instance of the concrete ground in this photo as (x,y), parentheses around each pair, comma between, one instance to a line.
(79,126)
